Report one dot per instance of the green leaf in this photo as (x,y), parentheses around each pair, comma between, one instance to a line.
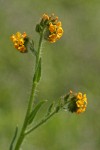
(39,28)
(50,108)
(34,112)
(13,140)
(37,75)
(32,48)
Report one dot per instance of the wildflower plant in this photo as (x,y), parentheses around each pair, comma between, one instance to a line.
(49,29)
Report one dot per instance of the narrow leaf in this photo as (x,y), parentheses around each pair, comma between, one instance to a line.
(50,108)
(34,112)
(32,48)
(13,140)
(39,28)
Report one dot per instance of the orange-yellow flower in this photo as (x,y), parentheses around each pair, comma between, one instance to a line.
(56,32)
(52,38)
(52,28)
(81,102)
(19,41)
(77,102)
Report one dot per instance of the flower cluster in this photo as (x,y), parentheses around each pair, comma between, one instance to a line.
(56,32)
(81,102)
(77,102)
(19,41)
(53,28)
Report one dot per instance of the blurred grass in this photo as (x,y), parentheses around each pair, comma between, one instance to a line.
(71,63)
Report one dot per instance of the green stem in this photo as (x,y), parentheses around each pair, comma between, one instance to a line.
(39,48)
(40,123)
(22,133)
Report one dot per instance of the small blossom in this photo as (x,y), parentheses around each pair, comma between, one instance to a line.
(77,102)
(70,91)
(45,17)
(19,41)
(52,38)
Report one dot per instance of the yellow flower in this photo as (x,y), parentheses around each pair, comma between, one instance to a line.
(77,102)
(19,41)
(52,28)
(59,32)
(52,38)
(79,96)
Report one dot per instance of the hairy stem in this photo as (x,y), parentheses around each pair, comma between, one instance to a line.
(34,84)
(40,123)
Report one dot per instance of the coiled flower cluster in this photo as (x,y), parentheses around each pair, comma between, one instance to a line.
(56,32)
(19,41)
(51,25)
(81,102)
(77,102)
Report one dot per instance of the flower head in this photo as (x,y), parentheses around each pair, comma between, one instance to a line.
(81,102)
(55,31)
(19,41)
(77,102)
(51,26)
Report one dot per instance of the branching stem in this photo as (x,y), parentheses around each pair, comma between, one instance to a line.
(29,108)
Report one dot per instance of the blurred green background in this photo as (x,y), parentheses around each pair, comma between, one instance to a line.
(73,63)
